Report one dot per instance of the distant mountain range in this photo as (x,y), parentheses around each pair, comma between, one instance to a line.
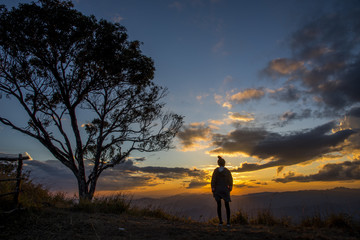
(296,205)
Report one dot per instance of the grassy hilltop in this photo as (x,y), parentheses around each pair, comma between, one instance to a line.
(112,218)
(44,215)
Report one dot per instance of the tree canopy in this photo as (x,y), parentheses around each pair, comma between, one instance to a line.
(61,65)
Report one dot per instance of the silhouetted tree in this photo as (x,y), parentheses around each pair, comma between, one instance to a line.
(61,65)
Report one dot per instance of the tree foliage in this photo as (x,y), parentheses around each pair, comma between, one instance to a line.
(87,91)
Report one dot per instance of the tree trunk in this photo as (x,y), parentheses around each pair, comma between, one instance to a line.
(92,187)
(83,189)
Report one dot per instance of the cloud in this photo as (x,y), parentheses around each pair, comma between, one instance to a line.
(202,97)
(325,58)
(240,141)
(280,150)
(247,95)
(344,171)
(161,172)
(228,79)
(197,184)
(216,122)
(352,121)
(149,175)
(128,176)
(243,185)
(241,117)
(290,116)
(354,112)
(117,18)
(125,176)
(227,105)
(218,99)
(52,174)
(287,116)
(282,67)
(219,47)
(287,93)
(193,136)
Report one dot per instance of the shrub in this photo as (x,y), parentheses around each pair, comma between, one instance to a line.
(339,221)
(313,221)
(118,203)
(264,217)
(240,217)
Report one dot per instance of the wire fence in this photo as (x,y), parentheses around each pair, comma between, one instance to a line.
(18,177)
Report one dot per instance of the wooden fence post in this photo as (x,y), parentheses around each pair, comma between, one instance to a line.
(18,180)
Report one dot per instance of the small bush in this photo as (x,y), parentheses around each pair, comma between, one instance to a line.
(213,221)
(285,221)
(106,204)
(343,221)
(264,217)
(339,220)
(240,217)
(313,221)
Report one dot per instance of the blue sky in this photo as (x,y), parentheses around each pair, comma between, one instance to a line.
(236,70)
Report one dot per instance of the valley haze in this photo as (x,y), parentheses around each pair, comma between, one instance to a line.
(293,204)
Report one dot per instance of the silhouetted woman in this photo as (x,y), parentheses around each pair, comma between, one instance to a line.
(221,186)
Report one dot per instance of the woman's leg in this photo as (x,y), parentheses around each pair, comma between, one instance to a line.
(219,210)
(227,206)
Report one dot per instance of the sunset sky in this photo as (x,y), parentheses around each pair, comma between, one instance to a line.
(273,86)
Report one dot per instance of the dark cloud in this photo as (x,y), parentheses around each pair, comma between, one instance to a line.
(125,176)
(174,172)
(260,183)
(330,172)
(243,185)
(191,134)
(253,184)
(240,140)
(290,116)
(281,150)
(139,159)
(279,169)
(122,182)
(287,93)
(352,121)
(52,174)
(326,58)
(197,184)
(354,112)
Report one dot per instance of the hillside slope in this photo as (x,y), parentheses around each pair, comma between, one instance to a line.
(53,223)
(295,204)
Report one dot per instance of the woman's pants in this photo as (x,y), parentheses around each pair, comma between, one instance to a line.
(227,207)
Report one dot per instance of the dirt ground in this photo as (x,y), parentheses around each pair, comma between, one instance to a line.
(66,224)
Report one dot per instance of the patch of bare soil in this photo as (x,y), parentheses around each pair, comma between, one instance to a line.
(67,224)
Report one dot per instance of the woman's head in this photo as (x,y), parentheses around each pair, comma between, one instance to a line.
(221,161)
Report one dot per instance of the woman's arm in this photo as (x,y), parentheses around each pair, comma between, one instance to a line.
(213,180)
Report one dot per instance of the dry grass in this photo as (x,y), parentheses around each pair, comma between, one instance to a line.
(57,223)
(118,203)
(340,221)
